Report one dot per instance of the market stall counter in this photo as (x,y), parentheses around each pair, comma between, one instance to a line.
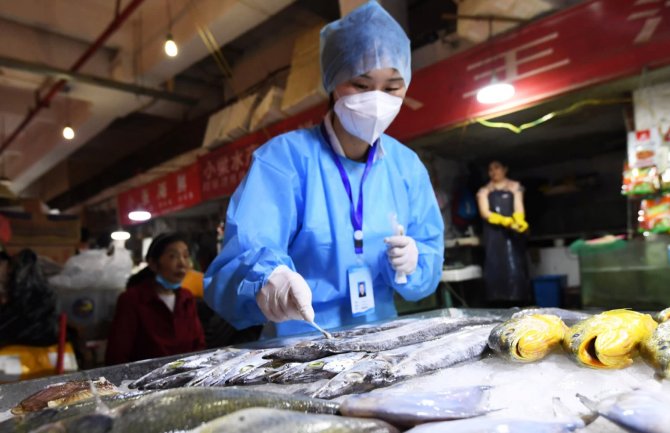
(444,370)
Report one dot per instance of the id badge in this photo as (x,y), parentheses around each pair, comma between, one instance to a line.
(361,291)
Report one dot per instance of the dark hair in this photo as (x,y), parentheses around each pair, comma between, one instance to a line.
(499,162)
(161,242)
(156,250)
(103,240)
(30,315)
(4,257)
(84,234)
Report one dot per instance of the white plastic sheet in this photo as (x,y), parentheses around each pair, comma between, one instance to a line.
(95,269)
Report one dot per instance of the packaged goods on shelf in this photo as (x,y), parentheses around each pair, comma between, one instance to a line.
(654,215)
(640,181)
(643,148)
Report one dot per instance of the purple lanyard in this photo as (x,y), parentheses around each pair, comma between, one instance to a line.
(356,212)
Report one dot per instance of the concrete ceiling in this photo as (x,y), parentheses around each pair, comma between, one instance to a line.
(54,33)
(125,140)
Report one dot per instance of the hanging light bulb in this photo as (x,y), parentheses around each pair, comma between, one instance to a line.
(68,132)
(120,235)
(170,46)
(495,92)
(139,215)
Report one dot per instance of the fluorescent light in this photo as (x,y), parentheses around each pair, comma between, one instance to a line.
(139,215)
(120,235)
(495,92)
(68,132)
(170,47)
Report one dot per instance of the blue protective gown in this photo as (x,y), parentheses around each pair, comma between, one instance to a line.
(292,209)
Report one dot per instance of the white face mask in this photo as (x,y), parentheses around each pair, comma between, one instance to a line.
(367,115)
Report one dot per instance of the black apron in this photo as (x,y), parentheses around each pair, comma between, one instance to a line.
(505,266)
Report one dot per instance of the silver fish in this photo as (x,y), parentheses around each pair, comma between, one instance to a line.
(663,316)
(282,421)
(449,350)
(411,333)
(401,363)
(656,350)
(369,373)
(371,329)
(324,368)
(408,409)
(637,411)
(219,374)
(498,425)
(258,373)
(173,381)
(190,363)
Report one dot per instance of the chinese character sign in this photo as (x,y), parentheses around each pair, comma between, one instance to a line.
(224,169)
(170,193)
(593,42)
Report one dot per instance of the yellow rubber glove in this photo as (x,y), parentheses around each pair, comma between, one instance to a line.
(520,225)
(497,219)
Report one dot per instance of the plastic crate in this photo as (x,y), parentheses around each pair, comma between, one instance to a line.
(549,290)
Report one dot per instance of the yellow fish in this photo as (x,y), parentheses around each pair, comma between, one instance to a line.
(609,339)
(527,338)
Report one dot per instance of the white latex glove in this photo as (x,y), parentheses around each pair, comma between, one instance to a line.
(402,253)
(286,296)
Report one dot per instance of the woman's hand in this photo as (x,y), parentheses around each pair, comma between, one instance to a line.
(286,296)
(402,253)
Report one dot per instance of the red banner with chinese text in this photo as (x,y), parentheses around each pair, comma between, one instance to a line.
(224,168)
(169,193)
(588,44)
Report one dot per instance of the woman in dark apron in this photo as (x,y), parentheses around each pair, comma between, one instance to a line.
(505,228)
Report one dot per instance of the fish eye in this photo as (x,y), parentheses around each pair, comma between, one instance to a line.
(316,365)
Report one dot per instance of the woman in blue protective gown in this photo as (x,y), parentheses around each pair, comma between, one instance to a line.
(325,209)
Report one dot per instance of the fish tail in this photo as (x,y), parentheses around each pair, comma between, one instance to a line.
(591,416)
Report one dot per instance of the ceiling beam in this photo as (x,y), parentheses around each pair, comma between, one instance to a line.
(185,137)
(62,74)
(58,86)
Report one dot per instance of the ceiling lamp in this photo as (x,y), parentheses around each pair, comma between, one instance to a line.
(495,92)
(68,132)
(139,215)
(120,235)
(170,46)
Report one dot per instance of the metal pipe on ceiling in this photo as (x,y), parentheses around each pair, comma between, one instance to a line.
(63,74)
(58,86)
